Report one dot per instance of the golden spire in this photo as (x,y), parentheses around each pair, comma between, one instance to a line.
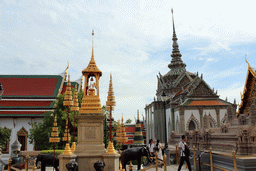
(122,118)
(66,72)
(81,84)
(66,137)
(75,106)
(111,98)
(138,115)
(54,134)
(91,98)
(92,67)
(68,97)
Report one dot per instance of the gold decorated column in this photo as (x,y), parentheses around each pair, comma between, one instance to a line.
(75,109)
(67,102)
(109,106)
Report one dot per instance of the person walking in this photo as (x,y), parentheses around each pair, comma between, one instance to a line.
(159,150)
(151,146)
(184,152)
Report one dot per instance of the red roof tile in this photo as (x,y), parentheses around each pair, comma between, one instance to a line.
(25,103)
(28,86)
(206,103)
(22,112)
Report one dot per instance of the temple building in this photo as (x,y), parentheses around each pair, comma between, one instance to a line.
(25,100)
(190,99)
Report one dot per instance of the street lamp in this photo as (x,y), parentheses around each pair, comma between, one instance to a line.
(167,151)
(1,90)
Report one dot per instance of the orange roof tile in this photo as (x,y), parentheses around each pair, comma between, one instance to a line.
(206,103)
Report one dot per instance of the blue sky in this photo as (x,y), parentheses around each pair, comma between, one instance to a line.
(132,40)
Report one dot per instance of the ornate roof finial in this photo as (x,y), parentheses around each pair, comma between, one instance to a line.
(246,60)
(92,58)
(122,118)
(176,63)
(138,115)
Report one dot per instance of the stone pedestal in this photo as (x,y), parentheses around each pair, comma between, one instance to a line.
(111,161)
(90,135)
(65,159)
(90,147)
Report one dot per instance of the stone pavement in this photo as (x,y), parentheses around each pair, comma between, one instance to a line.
(169,168)
(172,167)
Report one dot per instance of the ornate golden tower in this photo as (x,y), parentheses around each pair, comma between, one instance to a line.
(90,147)
(91,99)
(67,102)
(75,109)
(121,134)
(110,103)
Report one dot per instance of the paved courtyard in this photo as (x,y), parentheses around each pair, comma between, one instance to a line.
(169,168)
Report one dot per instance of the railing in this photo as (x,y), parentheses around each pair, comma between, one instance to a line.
(157,164)
(211,165)
(10,166)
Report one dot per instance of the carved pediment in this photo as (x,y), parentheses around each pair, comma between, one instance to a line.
(202,90)
(22,132)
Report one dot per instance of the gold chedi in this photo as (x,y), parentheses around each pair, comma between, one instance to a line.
(54,134)
(110,103)
(67,102)
(91,99)
(74,108)
(121,134)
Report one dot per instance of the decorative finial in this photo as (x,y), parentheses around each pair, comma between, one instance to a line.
(138,115)
(93,32)
(246,60)
(122,118)
(234,100)
(226,99)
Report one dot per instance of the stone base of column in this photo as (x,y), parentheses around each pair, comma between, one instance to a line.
(65,159)
(111,161)
(167,153)
(86,162)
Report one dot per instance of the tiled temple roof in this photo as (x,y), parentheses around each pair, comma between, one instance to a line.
(248,96)
(206,103)
(22,114)
(29,86)
(30,95)
(26,104)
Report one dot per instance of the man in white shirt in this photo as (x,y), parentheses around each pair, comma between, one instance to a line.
(182,154)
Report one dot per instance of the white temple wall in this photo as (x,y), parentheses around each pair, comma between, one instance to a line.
(187,116)
(212,112)
(222,114)
(16,125)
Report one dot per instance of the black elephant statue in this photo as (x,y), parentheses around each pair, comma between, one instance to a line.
(47,160)
(134,153)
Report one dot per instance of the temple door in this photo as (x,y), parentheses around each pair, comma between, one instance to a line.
(22,136)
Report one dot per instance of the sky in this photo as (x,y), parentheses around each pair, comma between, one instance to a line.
(133,41)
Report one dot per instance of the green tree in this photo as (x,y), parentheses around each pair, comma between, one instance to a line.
(40,133)
(128,121)
(5,134)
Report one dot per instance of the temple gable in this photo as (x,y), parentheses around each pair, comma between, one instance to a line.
(202,90)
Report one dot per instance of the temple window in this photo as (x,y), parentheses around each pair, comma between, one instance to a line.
(191,125)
